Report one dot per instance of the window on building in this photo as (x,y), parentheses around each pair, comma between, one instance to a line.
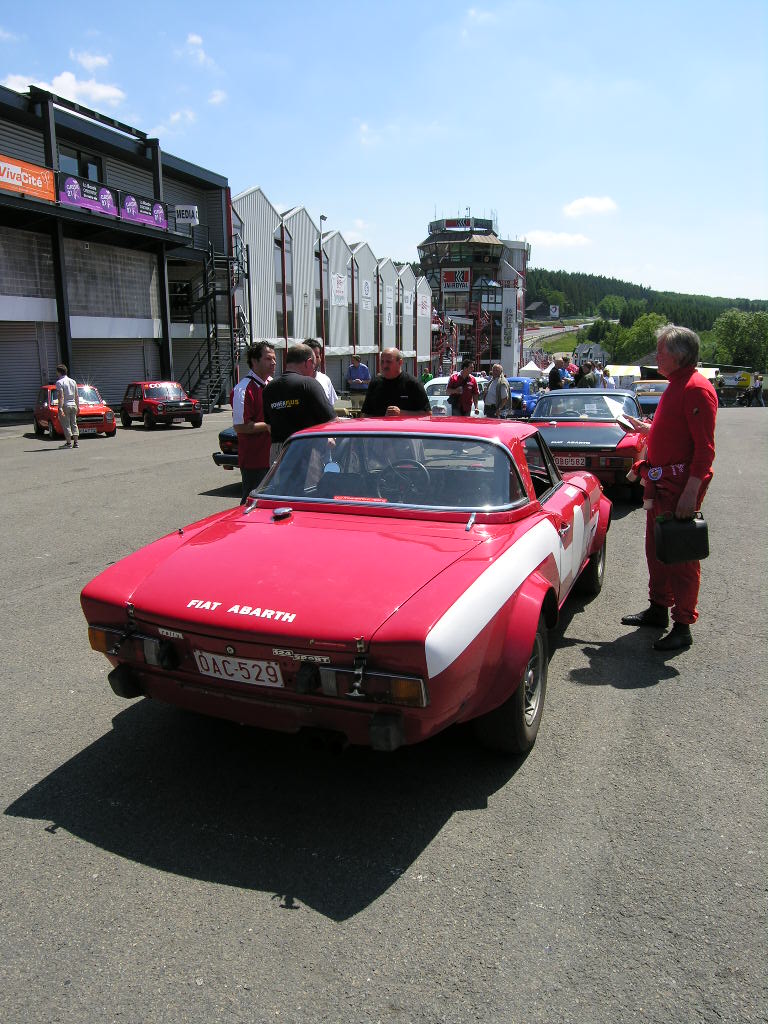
(84,165)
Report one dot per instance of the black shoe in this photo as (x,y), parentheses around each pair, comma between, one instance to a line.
(654,615)
(676,639)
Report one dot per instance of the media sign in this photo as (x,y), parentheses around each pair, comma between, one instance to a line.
(87,195)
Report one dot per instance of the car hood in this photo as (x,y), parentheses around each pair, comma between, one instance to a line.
(320,576)
(581,435)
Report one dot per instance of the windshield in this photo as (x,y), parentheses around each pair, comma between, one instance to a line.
(88,395)
(166,392)
(561,405)
(391,470)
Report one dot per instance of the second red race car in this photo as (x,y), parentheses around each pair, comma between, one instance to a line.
(588,429)
(159,401)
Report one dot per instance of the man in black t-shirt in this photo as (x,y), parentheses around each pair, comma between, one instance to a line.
(393,392)
(295,400)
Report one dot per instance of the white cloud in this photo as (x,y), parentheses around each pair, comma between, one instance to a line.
(590,204)
(477,17)
(89,91)
(196,52)
(556,239)
(7,37)
(174,124)
(90,61)
(216,97)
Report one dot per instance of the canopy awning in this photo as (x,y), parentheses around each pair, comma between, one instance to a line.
(623,371)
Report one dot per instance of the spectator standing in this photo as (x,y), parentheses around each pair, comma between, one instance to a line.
(68,401)
(322,379)
(295,400)
(607,380)
(394,392)
(555,377)
(497,397)
(588,380)
(358,375)
(681,449)
(757,391)
(463,390)
(719,385)
(253,434)
(426,375)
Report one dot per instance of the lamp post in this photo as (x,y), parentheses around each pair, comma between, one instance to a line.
(322,302)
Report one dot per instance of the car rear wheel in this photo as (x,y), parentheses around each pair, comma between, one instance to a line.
(38,429)
(125,420)
(591,580)
(149,423)
(513,727)
(197,421)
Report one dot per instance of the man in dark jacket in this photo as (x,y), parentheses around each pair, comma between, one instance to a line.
(394,392)
(295,400)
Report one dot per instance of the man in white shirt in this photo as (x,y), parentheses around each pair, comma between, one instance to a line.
(322,379)
(69,406)
(497,397)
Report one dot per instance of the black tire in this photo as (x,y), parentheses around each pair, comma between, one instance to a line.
(149,423)
(39,432)
(110,433)
(513,727)
(591,580)
(197,422)
(125,419)
(50,431)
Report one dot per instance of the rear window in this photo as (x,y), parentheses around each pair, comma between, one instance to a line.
(391,470)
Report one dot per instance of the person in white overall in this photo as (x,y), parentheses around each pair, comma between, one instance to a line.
(69,407)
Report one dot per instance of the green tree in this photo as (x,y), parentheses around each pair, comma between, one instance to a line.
(633,308)
(610,306)
(640,339)
(558,298)
(742,338)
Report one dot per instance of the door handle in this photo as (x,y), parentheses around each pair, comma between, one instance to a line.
(564,529)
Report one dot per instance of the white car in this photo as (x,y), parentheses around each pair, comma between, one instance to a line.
(440,403)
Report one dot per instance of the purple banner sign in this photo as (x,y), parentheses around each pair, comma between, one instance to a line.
(87,195)
(139,210)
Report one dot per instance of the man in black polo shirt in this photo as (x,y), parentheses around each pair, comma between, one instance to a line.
(295,400)
(393,392)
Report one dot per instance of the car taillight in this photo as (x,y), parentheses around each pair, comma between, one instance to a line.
(377,687)
(615,462)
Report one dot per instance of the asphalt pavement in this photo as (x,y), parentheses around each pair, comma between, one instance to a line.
(159,866)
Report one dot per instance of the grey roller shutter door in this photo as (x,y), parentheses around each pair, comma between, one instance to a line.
(21,373)
(111,365)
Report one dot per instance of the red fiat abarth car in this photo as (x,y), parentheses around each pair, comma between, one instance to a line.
(95,417)
(472,541)
(159,401)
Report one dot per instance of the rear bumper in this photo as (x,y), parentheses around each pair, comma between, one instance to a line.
(225,461)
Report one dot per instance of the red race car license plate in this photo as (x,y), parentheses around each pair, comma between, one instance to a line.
(570,461)
(88,430)
(239,670)
(177,419)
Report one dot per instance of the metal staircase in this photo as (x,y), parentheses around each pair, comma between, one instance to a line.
(210,374)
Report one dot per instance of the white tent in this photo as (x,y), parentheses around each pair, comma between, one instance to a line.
(531,370)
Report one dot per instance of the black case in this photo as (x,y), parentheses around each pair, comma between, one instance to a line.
(681,540)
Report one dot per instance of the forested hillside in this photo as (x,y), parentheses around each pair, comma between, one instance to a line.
(592,294)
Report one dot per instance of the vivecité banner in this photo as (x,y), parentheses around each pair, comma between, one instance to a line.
(26,179)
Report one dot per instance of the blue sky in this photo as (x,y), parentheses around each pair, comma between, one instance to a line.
(619,138)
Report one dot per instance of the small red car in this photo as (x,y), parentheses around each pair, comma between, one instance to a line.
(95,416)
(159,401)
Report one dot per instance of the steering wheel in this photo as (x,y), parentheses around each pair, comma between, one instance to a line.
(403,479)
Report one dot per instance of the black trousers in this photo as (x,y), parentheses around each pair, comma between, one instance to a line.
(251,478)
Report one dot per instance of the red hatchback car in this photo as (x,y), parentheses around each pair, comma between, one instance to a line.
(159,401)
(95,416)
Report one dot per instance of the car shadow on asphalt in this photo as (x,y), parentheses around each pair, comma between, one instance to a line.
(292,816)
(225,491)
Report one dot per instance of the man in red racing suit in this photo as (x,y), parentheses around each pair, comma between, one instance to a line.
(678,467)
